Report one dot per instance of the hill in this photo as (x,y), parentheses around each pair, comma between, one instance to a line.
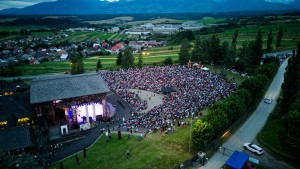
(76,7)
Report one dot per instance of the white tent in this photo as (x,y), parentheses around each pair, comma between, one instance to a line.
(205,68)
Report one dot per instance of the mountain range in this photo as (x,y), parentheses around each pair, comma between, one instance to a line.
(76,7)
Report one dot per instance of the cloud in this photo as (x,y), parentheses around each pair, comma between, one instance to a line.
(20,3)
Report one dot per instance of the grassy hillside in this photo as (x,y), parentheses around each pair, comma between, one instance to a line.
(155,151)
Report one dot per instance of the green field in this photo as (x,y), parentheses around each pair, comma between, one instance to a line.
(157,150)
(210,20)
(18,28)
(93,36)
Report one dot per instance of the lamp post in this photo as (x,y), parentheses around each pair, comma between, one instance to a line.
(191,131)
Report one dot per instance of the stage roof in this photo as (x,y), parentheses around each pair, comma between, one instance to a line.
(237,160)
(66,86)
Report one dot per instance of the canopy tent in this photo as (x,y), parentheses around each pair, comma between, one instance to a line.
(237,160)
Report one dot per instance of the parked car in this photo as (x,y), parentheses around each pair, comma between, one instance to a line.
(254,148)
(268,100)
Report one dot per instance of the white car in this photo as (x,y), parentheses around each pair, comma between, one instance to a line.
(268,100)
(253,148)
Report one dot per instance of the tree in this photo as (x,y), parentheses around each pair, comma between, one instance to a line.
(245,52)
(25,160)
(244,96)
(140,62)
(279,37)
(168,61)
(205,51)
(269,42)
(290,85)
(218,119)
(202,133)
(196,54)
(255,86)
(22,32)
(128,58)
(237,108)
(256,50)
(99,65)
(184,52)
(224,50)
(215,50)
(188,34)
(291,132)
(76,63)
(234,42)
(119,59)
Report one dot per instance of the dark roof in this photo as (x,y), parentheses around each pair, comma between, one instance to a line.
(14,86)
(14,107)
(3,64)
(15,138)
(66,86)
(167,90)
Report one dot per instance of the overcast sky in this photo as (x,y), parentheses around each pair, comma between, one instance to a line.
(23,3)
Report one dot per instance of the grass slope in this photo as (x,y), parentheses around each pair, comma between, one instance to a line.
(155,151)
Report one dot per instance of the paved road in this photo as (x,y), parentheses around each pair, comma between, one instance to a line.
(248,131)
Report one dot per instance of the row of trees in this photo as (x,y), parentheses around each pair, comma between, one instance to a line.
(289,105)
(225,112)
(21,32)
(212,51)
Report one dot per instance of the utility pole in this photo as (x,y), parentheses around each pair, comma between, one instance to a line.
(191,131)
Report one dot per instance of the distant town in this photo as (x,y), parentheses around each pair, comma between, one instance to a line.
(14,51)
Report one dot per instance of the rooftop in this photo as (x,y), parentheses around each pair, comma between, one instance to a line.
(66,86)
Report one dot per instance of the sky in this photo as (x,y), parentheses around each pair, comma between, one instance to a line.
(23,3)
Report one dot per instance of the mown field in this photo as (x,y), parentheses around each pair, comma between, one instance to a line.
(18,28)
(157,150)
(93,36)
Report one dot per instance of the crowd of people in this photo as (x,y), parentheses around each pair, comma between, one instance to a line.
(195,89)
(133,99)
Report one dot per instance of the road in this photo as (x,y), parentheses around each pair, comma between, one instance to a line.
(248,131)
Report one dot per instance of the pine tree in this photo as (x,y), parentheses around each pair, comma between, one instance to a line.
(196,54)
(128,58)
(99,65)
(184,52)
(140,62)
(119,59)
(77,66)
(279,37)
(234,42)
(256,50)
(270,41)
(215,50)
